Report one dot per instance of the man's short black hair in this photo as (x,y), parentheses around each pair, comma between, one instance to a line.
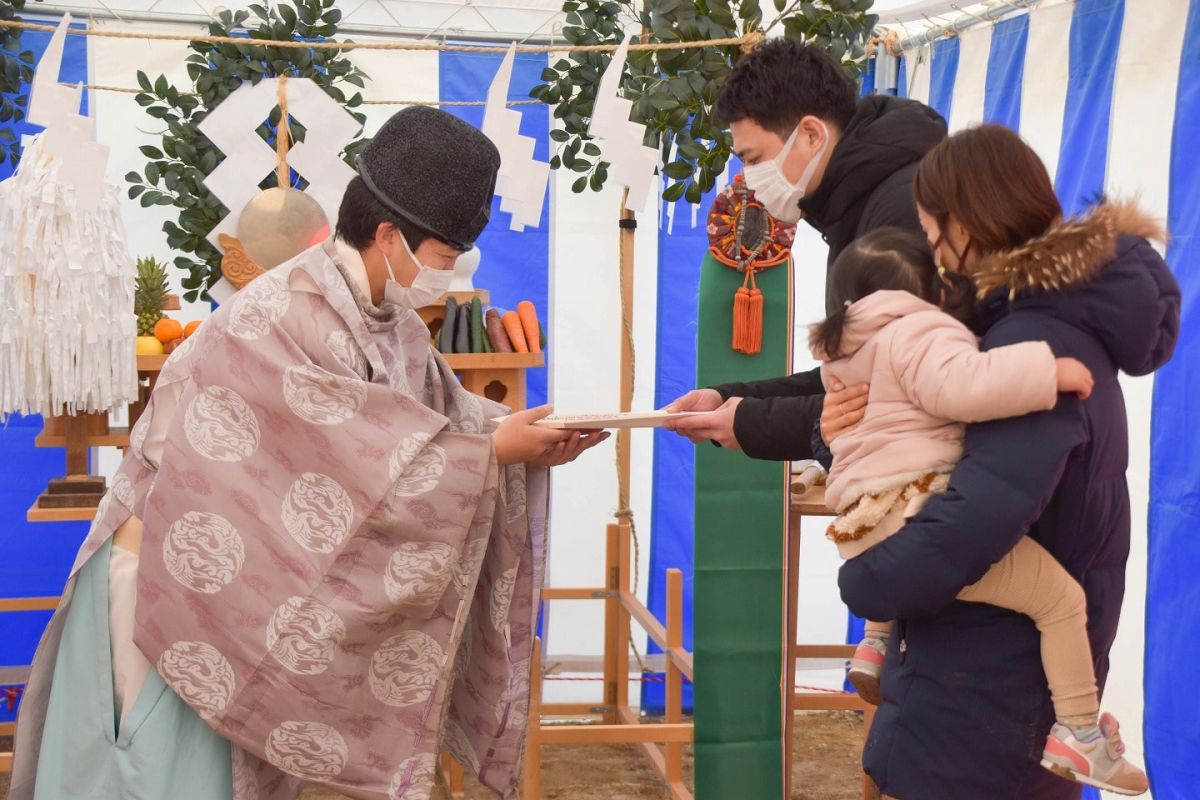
(783,81)
(360,214)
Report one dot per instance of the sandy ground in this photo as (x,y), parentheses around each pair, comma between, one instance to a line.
(825,767)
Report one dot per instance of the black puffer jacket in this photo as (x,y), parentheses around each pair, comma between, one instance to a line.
(867,185)
(966,708)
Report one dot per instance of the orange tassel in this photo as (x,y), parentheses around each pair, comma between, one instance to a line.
(754,331)
(741,318)
(748,317)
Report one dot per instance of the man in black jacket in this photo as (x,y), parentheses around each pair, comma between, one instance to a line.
(811,151)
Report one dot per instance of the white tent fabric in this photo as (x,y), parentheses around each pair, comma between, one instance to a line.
(584,309)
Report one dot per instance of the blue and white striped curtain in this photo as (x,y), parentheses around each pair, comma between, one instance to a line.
(1106,92)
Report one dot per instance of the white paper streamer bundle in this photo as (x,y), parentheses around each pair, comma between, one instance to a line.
(66,288)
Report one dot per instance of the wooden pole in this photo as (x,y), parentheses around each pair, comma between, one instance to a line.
(77,446)
(612,608)
(531,784)
(628,232)
(624,630)
(674,755)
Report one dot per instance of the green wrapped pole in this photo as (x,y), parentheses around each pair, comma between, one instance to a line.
(741,521)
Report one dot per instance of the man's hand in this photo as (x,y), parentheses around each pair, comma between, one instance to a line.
(714,427)
(844,408)
(696,400)
(518,440)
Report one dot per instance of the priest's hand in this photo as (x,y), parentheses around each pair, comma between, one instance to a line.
(696,400)
(844,408)
(519,441)
(716,426)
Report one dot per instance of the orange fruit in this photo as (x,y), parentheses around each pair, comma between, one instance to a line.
(167,330)
(190,328)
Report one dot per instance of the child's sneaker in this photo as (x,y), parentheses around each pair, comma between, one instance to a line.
(865,668)
(1097,760)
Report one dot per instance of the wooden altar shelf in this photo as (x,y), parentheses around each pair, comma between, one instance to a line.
(27,604)
(116,437)
(496,376)
(79,434)
(812,504)
(36,514)
(660,742)
(151,363)
(473,361)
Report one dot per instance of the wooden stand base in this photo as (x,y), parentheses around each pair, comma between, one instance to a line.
(812,504)
(82,491)
(662,742)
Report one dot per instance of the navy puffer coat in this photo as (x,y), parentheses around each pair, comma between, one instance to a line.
(966,707)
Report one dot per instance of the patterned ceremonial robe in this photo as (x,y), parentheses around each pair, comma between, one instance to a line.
(335,574)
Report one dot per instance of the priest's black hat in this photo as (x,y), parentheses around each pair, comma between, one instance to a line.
(435,171)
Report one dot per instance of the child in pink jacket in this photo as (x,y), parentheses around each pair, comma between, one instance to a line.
(895,331)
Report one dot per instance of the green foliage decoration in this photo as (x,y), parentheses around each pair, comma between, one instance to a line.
(673,91)
(175,170)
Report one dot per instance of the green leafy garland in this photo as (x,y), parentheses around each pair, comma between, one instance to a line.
(673,91)
(175,173)
(16,72)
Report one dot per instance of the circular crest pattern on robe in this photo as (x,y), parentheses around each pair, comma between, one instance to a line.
(412,780)
(199,674)
(221,426)
(258,308)
(307,749)
(317,512)
(320,397)
(304,634)
(405,668)
(203,551)
(419,572)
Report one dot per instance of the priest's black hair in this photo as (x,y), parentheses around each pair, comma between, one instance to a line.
(360,215)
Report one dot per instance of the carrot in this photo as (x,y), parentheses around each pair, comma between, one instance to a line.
(512,326)
(529,324)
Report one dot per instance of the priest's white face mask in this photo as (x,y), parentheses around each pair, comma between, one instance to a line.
(421,284)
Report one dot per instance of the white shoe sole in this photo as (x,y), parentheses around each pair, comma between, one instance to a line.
(1072,775)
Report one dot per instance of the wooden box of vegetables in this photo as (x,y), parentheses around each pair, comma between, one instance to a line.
(489,348)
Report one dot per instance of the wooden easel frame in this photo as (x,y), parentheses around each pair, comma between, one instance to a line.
(812,504)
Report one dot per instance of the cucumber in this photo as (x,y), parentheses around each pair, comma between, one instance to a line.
(445,341)
(476,325)
(462,330)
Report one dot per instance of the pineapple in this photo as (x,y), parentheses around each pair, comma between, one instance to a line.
(150,292)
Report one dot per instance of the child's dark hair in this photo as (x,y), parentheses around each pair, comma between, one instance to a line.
(887,258)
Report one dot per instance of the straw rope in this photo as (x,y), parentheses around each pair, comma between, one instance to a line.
(750,40)
(99,87)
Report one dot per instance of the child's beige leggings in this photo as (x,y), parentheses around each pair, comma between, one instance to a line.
(1030,581)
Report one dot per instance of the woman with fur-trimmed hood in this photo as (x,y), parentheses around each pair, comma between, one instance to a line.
(966,708)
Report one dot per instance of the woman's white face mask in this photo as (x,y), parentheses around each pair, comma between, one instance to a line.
(771,187)
(427,286)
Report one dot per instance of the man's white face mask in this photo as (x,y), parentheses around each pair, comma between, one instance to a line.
(428,286)
(771,187)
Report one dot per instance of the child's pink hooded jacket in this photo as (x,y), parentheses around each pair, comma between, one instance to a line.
(927,378)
